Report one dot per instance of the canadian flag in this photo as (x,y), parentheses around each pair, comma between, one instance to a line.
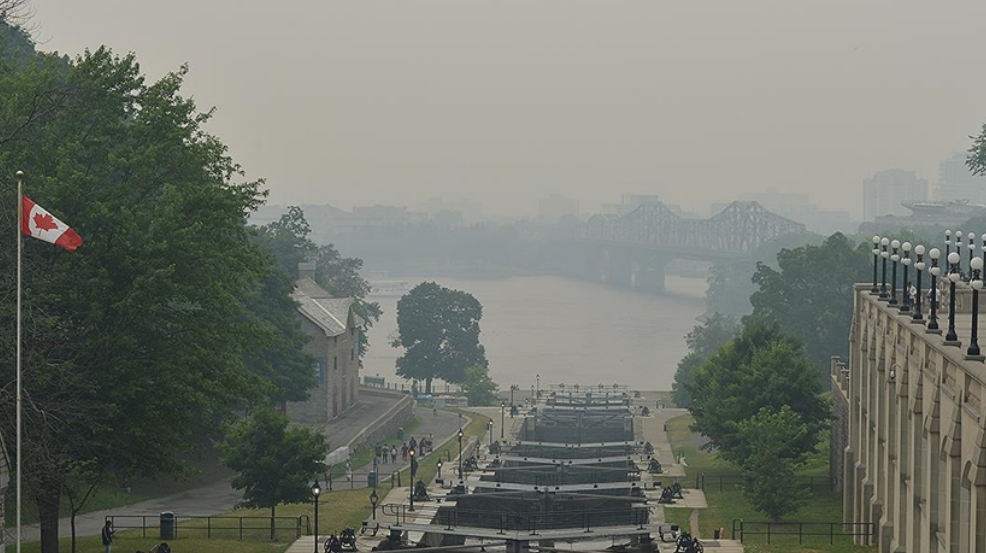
(40,224)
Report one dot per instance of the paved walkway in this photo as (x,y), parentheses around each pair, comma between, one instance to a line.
(221,497)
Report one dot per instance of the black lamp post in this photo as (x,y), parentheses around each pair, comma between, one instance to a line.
(374,498)
(513,388)
(957,242)
(948,243)
(460,454)
(538,377)
(918,268)
(439,465)
(503,407)
(951,338)
(894,258)
(884,242)
(976,266)
(876,258)
(905,304)
(414,469)
(489,425)
(972,250)
(932,327)
(316,489)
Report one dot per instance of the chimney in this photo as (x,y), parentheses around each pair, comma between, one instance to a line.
(306,270)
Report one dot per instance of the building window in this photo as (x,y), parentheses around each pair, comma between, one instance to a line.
(335,363)
(320,369)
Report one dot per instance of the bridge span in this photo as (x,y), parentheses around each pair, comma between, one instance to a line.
(631,250)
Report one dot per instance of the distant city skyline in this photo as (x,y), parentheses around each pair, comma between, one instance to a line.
(503,103)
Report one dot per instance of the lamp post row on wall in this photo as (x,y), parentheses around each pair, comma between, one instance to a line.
(912,305)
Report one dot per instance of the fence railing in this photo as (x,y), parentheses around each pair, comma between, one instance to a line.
(805,531)
(725,482)
(531,523)
(216,527)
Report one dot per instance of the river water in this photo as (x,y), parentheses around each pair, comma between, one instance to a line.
(567,331)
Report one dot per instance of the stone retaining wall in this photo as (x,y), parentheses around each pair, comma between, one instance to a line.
(398,416)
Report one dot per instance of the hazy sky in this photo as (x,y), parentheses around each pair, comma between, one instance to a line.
(506,101)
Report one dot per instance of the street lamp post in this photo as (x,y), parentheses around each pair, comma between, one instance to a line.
(374,498)
(414,469)
(503,407)
(957,242)
(884,242)
(490,431)
(948,243)
(935,271)
(905,304)
(976,266)
(513,388)
(951,338)
(918,317)
(316,489)
(972,250)
(876,260)
(440,464)
(460,454)
(894,258)
(538,377)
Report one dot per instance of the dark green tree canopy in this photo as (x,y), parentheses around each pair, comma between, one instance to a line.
(977,154)
(761,368)
(479,388)
(811,293)
(143,336)
(703,342)
(439,330)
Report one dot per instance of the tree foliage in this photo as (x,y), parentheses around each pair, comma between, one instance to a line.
(770,456)
(760,368)
(439,331)
(703,342)
(479,388)
(811,293)
(140,340)
(275,464)
(977,154)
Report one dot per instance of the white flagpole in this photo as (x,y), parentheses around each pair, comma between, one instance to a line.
(20,240)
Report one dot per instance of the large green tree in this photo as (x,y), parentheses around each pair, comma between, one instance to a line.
(275,464)
(133,345)
(770,456)
(439,330)
(760,368)
(703,342)
(810,293)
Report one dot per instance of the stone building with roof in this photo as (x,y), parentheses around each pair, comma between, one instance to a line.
(334,329)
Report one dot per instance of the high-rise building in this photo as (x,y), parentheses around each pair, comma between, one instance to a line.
(956,182)
(885,191)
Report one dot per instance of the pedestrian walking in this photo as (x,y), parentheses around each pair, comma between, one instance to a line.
(107,535)
(349,470)
(393,454)
(404,452)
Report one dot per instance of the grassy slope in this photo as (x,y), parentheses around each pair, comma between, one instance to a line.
(729,504)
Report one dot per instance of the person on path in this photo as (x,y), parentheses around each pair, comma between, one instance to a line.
(404,452)
(107,535)
(349,470)
(393,454)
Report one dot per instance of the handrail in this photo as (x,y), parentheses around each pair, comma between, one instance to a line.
(771,529)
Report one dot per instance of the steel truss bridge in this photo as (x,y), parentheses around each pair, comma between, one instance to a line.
(736,231)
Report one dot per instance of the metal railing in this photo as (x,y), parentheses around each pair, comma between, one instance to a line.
(216,527)
(814,531)
(725,482)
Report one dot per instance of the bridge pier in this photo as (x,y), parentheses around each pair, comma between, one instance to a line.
(648,275)
(618,268)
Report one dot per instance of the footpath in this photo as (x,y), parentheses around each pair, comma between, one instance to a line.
(221,497)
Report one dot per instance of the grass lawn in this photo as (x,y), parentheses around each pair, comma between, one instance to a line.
(729,505)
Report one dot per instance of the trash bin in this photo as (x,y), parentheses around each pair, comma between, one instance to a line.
(715,534)
(371,479)
(400,433)
(167,525)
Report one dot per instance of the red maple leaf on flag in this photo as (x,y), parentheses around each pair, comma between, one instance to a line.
(44,222)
